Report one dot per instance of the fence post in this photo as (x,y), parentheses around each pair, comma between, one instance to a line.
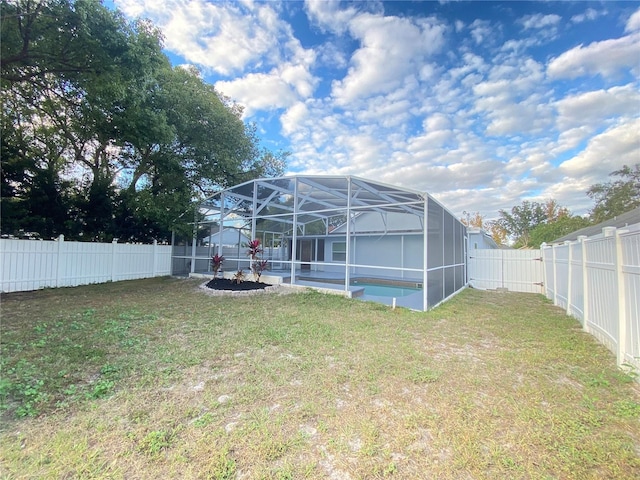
(59,262)
(114,244)
(569,283)
(155,255)
(193,252)
(585,285)
(555,275)
(622,308)
(543,250)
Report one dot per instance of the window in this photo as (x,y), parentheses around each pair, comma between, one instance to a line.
(339,251)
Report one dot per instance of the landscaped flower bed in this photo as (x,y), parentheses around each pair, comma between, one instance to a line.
(230,284)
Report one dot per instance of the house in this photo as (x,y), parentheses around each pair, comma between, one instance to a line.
(479,239)
(231,238)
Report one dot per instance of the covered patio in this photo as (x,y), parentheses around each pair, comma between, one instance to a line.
(363,237)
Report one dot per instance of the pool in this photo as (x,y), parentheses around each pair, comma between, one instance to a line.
(386,290)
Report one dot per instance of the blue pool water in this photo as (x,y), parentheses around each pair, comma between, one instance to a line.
(386,290)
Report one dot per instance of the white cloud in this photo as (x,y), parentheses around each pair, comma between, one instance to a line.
(456,109)
(223,37)
(329,16)
(481,31)
(391,48)
(609,151)
(513,98)
(570,139)
(293,117)
(280,88)
(385,112)
(539,20)
(633,24)
(593,109)
(606,58)
(332,56)
(589,14)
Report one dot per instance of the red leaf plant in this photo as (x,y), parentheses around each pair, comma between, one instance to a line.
(216,263)
(254,249)
(258,265)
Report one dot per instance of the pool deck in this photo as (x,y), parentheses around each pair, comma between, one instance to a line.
(333,283)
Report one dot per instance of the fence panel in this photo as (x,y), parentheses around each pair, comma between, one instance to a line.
(28,265)
(598,282)
(575,307)
(561,275)
(82,263)
(33,264)
(630,243)
(602,295)
(548,279)
(515,270)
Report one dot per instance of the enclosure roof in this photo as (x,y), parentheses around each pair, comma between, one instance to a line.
(317,196)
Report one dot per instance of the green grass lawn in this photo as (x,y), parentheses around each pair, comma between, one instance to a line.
(155,379)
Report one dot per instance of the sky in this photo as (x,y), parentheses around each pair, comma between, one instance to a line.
(481,104)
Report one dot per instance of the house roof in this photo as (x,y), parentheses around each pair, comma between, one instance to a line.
(631,217)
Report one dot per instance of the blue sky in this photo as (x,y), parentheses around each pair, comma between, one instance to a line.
(481,104)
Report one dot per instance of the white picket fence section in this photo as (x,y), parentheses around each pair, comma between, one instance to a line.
(34,264)
(513,270)
(597,280)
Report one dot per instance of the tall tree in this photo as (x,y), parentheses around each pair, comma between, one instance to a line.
(548,232)
(474,220)
(65,66)
(616,196)
(523,218)
(96,123)
(498,233)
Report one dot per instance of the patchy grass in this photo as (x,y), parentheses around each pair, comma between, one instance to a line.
(154,379)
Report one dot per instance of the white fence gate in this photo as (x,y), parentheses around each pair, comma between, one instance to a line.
(597,280)
(514,270)
(34,264)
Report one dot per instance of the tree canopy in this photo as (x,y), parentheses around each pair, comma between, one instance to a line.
(532,223)
(523,218)
(101,136)
(616,196)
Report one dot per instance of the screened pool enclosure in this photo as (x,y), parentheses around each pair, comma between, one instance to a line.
(366,238)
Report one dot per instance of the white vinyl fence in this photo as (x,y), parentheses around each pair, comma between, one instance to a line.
(34,264)
(513,270)
(597,280)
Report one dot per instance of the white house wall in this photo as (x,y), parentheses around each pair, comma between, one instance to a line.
(479,240)
(393,251)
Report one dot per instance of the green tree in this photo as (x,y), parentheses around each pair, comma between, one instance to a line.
(616,196)
(43,39)
(65,66)
(98,125)
(522,219)
(548,232)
